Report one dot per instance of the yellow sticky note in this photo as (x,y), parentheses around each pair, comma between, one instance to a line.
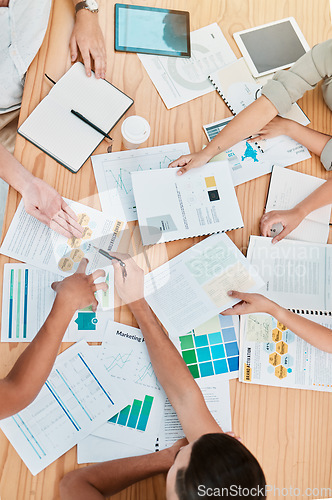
(210,181)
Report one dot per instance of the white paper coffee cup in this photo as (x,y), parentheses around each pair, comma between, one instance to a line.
(135,130)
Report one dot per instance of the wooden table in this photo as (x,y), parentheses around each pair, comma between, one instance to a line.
(287,430)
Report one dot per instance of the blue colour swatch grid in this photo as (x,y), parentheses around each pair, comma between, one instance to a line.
(214,353)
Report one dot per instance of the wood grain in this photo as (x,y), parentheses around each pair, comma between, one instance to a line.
(288,430)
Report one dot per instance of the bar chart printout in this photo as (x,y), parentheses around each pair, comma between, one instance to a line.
(136,415)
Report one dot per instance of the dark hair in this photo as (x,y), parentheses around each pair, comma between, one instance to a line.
(220,461)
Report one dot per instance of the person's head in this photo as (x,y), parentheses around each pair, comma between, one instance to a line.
(216,463)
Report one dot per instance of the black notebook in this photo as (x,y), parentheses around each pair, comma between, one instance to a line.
(54,129)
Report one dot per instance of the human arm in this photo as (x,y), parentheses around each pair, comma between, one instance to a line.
(290,219)
(40,199)
(313,333)
(101,480)
(311,139)
(24,381)
(243,125)
(170,369)
(87,37)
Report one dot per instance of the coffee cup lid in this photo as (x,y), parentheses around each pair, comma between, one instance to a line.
(135,129)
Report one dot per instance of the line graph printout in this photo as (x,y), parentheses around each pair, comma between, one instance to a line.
(125,357)
(74,401)
(113,175)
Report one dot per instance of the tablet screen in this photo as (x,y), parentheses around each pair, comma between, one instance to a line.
(152,31)
(282,45)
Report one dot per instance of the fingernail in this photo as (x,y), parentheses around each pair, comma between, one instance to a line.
(179,172)
(230,292)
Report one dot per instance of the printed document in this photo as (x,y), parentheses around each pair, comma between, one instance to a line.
(172,207)
(126,359)
(249,160)
(113,175)
(179,80)
(73,402)
(30,241)
(27,300)
(271,354)
(297,274)
(287,189)
(192,287)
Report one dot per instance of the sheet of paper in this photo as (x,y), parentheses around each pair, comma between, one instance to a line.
(271,354)
(179,80)
(217,398)
(246,159)
(172,207)
(30,241)
(113,175)
(237,86)
(211,350)
(287,189)
(297,274)
(126,359)
(192,287)
(93,449)
(27,299)
(73,402)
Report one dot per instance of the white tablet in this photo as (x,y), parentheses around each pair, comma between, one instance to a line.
(272,46)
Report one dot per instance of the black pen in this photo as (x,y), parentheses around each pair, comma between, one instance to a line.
(92,125)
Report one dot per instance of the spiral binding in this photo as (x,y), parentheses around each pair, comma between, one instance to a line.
(312,312)
(229,106)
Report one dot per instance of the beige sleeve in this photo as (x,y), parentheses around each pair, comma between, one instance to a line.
(287,86)
(326,156)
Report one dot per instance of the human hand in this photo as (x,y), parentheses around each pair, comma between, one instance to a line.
(250,303)
(78,290)
(45,204)
(187,162)
(289,219)
(277,126)
(131,287)
(88,38)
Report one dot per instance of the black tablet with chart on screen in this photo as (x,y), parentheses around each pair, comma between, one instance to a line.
(149,30)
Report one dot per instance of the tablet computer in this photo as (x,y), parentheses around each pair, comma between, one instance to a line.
(149,30)
(272,46)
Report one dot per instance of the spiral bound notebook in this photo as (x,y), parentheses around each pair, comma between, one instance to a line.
(238,88)
(287,189)
(297,274)
(172,207)
(69,140)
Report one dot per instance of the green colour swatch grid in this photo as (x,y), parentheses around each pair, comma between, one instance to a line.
(136,415)
(214,353)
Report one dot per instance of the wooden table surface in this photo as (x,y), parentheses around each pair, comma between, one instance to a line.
(286,429)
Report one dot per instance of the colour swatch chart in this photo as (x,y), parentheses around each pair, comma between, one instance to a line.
(212,348)
(30,241)
(271,354)
(74,401)
(113,175)
(126,359)
(27,299)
